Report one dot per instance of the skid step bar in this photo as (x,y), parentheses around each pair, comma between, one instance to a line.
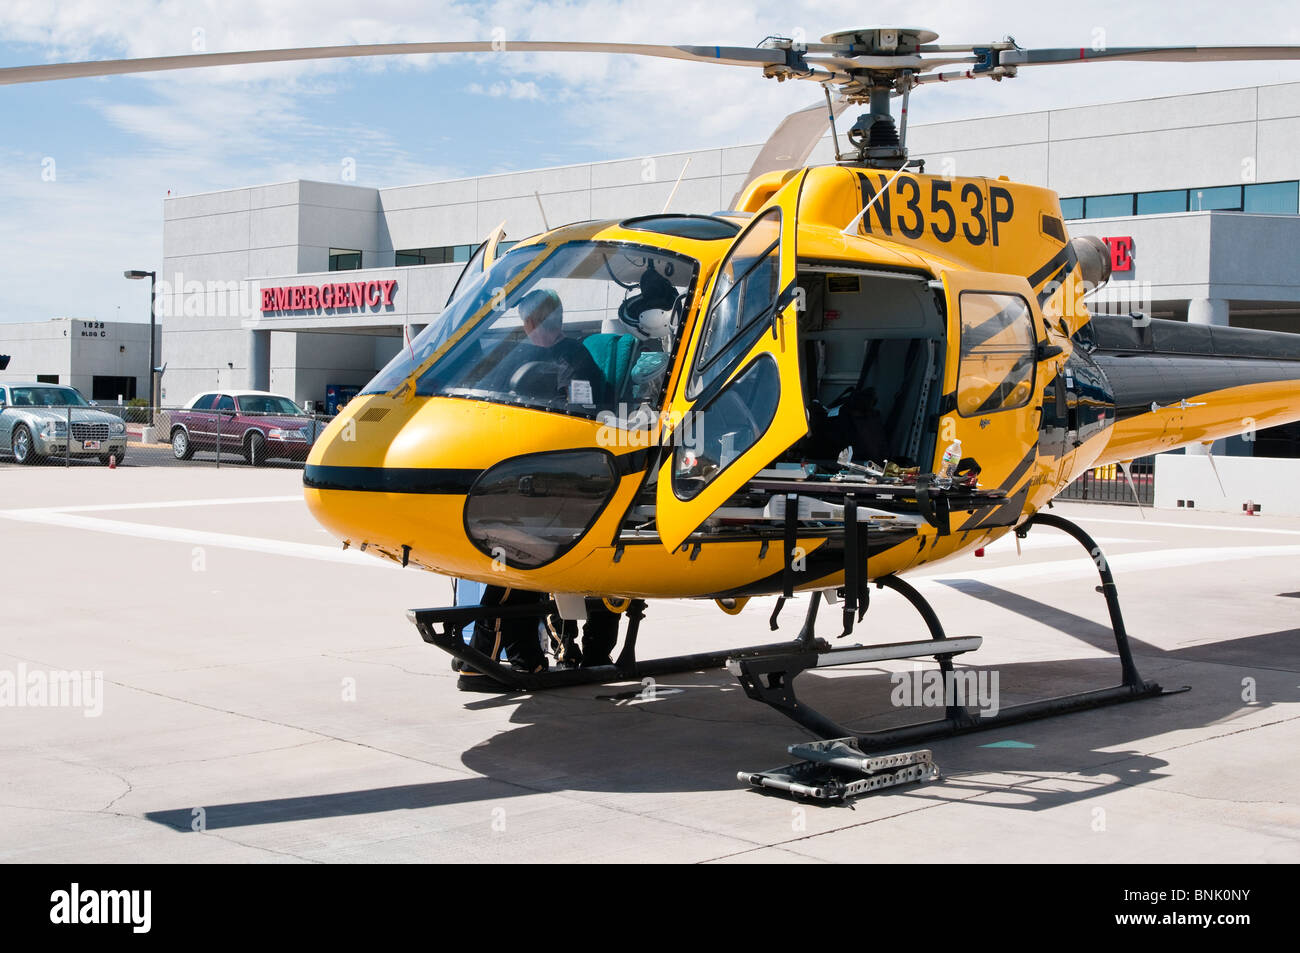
(838,769)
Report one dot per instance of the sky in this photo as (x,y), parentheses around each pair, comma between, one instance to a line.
(85,164)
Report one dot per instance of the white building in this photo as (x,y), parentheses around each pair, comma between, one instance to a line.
(1200,192)
(104,360)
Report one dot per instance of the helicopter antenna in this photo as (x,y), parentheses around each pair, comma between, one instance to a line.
(677,184)
(848,229)
(538,195)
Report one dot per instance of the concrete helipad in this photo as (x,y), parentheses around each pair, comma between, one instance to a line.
(265,699)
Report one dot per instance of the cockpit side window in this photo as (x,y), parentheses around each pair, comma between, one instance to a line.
(997,353)
(746,291)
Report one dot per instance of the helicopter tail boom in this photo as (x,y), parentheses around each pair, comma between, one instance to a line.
(1176,384)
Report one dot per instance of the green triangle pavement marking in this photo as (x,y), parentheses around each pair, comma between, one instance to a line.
(1008,744)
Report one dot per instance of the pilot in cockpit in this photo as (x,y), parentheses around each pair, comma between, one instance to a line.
(548,364)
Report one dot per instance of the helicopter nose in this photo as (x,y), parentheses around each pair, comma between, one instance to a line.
(462,487)
(376,478)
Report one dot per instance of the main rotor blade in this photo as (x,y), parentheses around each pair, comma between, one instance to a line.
(724,55)
(1152,54)
(792,141)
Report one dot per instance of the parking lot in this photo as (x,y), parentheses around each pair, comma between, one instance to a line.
(226,444)
(265,699)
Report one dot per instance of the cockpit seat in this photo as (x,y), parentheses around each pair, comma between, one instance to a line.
(614,354)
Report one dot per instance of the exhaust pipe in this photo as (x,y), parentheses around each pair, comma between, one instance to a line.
(1094,259)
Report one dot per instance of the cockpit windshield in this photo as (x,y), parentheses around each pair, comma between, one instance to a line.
(466,302)
(590,330)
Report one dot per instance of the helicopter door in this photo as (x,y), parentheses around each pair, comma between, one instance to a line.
(482,259)
(738,402)
(993,320)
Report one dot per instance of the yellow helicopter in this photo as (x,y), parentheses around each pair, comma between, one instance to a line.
(855,371)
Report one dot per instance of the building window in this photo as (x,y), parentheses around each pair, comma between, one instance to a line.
(47,378)
(344,259)
(1273,198)
(1225,198)
(439,255)
(1108,206)
(1160,203)
(1277,198)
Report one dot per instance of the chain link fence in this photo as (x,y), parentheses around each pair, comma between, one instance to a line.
(156,436)
(1107,484)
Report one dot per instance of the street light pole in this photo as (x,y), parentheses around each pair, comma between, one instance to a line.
(153,311)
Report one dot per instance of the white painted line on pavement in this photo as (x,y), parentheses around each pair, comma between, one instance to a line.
(1119,564)
(167,504)
(174,534)
(1051,541)
(1231,529)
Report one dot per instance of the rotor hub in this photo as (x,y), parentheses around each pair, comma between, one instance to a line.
(881,41)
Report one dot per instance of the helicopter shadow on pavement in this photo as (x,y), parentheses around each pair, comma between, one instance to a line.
(697,730)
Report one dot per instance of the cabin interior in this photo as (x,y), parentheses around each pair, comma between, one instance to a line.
(871,364)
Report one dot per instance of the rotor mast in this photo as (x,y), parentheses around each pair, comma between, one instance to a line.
(878,141)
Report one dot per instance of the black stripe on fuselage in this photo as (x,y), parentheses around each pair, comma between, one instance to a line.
(1063,261)
(980,517)
(1005,514)
(434,480)
(391,479)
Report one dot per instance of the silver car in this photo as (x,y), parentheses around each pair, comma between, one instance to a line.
(34,421)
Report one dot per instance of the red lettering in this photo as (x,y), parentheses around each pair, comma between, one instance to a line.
(1121,253)
(356,294)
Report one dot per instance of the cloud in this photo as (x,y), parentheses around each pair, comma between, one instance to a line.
(511,90)
(126,140)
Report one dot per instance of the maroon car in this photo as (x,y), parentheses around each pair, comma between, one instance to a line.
(254,424)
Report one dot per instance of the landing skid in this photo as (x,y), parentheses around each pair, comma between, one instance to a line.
(770,679)
(443,627)
(767,672)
